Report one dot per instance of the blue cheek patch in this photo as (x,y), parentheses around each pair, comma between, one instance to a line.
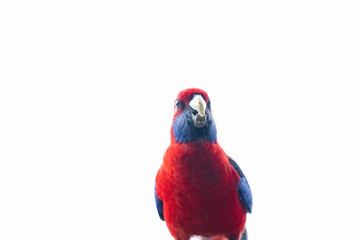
(184,130)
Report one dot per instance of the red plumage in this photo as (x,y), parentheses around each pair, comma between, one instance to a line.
(198,187)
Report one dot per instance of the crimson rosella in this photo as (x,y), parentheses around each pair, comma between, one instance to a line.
(199,190)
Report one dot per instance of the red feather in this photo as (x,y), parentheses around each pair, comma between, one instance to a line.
(198,187)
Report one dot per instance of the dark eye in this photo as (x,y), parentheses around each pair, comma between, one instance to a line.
(179,104)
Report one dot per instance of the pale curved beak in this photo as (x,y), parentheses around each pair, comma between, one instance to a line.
(198,103)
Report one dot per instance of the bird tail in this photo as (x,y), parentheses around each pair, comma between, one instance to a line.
(214,238)
(244,236)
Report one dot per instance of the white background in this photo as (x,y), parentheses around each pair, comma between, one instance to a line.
(86,102)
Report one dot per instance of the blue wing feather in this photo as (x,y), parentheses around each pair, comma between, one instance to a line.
(159,206)
(243,188)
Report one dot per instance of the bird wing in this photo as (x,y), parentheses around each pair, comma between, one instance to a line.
(159,206)
(243,187)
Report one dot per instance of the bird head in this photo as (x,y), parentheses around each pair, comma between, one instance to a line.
(193,120)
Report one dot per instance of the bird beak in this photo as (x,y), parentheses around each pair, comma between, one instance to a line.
(198,106)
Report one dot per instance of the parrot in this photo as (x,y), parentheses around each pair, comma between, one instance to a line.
(199,190)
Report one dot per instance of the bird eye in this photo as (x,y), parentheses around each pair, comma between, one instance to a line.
(178,104)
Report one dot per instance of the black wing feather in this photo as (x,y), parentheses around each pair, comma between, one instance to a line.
(159,206)
(244,191)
